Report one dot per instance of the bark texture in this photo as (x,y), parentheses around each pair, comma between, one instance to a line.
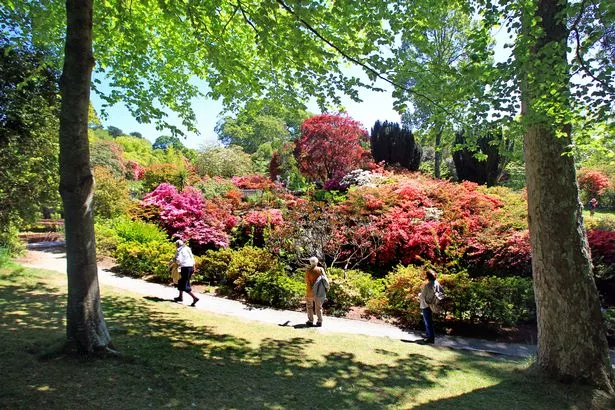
(86,329)
(571,337)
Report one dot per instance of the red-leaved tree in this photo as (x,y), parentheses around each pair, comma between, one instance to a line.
(330,147)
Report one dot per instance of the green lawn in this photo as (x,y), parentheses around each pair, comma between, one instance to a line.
(174,356)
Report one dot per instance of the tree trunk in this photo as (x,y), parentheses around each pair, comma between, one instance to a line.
(438,152)
(571,337)
(86,330)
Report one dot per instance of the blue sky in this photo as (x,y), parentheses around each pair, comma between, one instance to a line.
(375,106)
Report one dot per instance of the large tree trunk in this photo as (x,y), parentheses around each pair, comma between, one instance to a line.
(86,329)
(571,338)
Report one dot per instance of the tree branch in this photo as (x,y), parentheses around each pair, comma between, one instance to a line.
(365,66)
(575,29)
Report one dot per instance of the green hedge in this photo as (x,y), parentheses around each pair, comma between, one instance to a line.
(493,300)
(213,265)
(485,300)
(350,288)
(275,289)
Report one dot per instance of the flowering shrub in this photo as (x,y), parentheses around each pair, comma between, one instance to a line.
(252,182)
(134,171)
(188,215)
(506,254)
(602,245)
(255,223)
(593,183)
(415,218)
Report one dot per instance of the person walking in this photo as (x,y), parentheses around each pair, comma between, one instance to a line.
(431,294)
(185,261)
(313,303)
(593,204)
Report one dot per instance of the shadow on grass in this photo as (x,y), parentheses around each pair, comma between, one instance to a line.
(170,362)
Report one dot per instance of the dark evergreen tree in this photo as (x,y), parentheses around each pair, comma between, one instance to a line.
(481,160)
(115,131)
(395,145)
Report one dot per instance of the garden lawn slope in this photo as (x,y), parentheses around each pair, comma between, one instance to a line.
(177,357)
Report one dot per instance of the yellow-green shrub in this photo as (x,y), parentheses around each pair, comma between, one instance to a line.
(350,288)
(213,265)
(245,264)
(140,259)
(275,288)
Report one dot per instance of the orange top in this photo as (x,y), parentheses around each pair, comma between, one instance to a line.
(310,278)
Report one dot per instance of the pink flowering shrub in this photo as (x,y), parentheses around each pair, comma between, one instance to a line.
(255,223)
(188,215)
(135,171)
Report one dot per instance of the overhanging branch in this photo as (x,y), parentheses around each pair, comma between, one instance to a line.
(365,66)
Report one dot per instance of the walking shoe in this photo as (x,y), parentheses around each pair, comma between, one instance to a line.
(178,299)
(194,302)
(318,324)
(309,324)
(428,341)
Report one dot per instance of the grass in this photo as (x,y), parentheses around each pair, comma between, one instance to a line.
(176,357)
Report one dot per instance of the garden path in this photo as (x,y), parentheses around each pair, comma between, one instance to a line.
(55,259)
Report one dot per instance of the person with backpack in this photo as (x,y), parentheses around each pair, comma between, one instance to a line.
(185,261)
(316,287)
(430,297)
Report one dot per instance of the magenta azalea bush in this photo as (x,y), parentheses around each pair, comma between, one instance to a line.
(189,216)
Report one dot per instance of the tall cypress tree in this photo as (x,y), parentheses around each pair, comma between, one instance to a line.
(395,145)
(485,164)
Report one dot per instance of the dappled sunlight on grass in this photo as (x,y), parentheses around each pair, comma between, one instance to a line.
(173,356)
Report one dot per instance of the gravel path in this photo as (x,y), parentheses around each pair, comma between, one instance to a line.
(55,259)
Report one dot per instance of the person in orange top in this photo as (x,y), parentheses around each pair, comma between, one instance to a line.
(313,303)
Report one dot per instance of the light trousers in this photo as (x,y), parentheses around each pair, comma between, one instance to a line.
(314,304)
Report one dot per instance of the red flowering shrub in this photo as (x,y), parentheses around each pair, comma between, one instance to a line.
(330,147)
(188,215)
(252,182)
(593,183)
(602,245)
(514,256)
(135,171)
(418,218)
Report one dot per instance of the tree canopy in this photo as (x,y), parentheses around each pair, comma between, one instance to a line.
(28,136)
